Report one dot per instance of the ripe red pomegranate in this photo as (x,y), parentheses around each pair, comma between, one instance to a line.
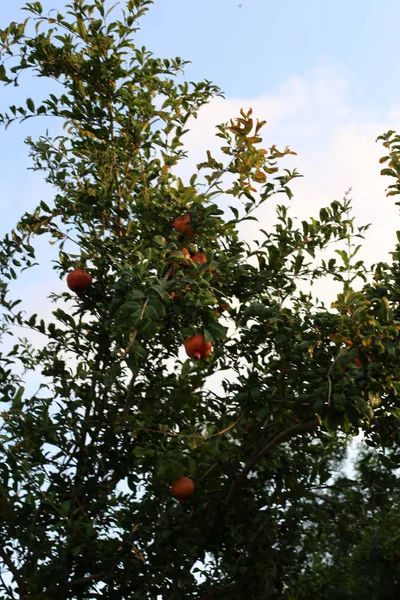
(182,488)
(199,258)
(79,281)
(181,225)
(197,347)
(357,361)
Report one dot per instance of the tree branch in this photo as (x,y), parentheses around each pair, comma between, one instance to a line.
(128,399)
(7,588)
(13,569)
(57,590)
(271,443)
(324,497)
(88,579)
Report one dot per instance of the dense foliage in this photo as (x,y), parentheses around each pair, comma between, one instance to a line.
(88,461)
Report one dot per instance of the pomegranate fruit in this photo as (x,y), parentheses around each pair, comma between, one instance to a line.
(199,258)
(197,347)
(357,361)
(79,281)
(182,488)
(182,225)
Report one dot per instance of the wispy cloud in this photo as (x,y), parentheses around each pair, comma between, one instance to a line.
(336,150)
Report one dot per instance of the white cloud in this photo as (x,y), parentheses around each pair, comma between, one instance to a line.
(335,143)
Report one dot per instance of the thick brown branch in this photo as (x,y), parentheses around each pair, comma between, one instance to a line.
(324,497)
(59,591)
(88,579)
(271,443)
(13,569)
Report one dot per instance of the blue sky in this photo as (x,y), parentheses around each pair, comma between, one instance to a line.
(324,75)
(250,50)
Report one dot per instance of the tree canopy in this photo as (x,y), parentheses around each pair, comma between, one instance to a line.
(91,497)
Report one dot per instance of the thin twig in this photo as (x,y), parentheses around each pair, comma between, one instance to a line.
(21,326)
(29,544)
(330,380)
(207,472)
(255,536)
(43,494)
(129,396)
(189,435)
(134,333)
(287,402)
(65,157)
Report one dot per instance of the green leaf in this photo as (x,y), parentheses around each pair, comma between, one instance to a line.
(298,263)
(139,350)
(235,212)
(3,74)
(363,407)
(30,104)
(17,400)
(160,290)
(215,331)
(191,465)
(160,240)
